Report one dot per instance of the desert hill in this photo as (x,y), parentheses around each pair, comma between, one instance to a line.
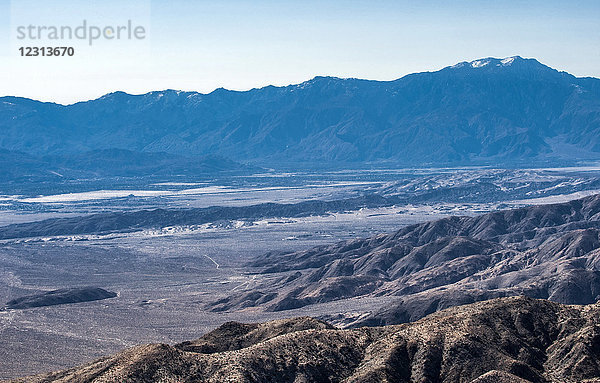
(547,251)
(513,339)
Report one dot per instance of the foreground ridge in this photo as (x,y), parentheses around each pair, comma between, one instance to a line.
(514,339)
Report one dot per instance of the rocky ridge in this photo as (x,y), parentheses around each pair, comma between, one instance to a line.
(513,339)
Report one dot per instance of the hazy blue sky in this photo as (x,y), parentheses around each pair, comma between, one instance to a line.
(202,45)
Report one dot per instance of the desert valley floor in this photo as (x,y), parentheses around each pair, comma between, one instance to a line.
(167,276)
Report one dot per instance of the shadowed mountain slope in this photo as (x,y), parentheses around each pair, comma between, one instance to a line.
(503,340)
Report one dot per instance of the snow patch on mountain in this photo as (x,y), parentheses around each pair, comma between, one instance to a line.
(479,63)
(508,61)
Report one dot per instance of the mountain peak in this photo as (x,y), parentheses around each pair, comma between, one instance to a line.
(507,61)
(321,80)
(493,62)
(524,68)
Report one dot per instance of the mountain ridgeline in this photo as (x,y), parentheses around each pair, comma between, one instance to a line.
(516,340)
(512,110)
(546,251)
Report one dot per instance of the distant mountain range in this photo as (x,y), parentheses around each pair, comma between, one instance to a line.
(511,110)
(510,340)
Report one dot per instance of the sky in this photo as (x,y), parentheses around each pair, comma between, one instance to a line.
(203,45)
